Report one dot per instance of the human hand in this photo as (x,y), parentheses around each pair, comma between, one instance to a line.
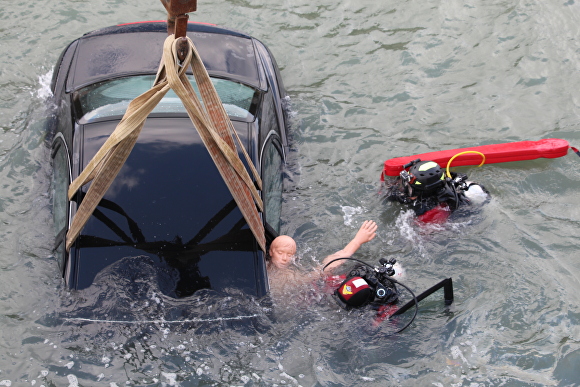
(367,232)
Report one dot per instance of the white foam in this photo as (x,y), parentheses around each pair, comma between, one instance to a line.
(171,377)
(404,223)
(457,354)
(349,212)
(44,81)
(399,271)
(72,379)
(161,321)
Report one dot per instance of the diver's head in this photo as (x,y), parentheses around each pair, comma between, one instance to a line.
(426,177)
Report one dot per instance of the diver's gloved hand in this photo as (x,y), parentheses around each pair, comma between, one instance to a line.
(459,180)
(398,196)
(458,177)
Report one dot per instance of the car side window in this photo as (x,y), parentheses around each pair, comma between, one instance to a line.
(269,118)
(59,189)
(272,181)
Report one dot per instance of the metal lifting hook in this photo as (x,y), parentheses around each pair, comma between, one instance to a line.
(177,18)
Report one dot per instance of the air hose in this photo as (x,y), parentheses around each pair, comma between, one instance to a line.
(462,153)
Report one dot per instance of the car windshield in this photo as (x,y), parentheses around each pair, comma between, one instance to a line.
(111,98)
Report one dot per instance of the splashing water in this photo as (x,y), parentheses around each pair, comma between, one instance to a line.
(44,92)
(440,76)
(349,213)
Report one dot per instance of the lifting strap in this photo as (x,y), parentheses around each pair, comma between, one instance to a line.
(211,121)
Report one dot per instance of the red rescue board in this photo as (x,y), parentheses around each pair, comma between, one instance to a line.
(496,153)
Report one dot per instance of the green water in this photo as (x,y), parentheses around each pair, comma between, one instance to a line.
(367,81)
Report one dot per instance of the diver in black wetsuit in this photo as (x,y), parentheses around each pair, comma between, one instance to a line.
(424,187)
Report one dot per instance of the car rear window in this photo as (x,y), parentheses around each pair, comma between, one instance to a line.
(111,98)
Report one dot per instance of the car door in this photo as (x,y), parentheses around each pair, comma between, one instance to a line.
(60,205)
(272,180)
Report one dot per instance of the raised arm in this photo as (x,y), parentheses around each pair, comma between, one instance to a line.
(366,233)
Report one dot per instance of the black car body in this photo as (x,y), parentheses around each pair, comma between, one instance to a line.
(168,203)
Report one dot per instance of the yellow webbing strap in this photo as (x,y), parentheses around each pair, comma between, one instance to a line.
(211,121)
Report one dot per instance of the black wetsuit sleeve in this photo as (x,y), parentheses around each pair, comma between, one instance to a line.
(422,206)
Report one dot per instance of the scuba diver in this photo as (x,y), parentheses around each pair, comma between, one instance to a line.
(423,187)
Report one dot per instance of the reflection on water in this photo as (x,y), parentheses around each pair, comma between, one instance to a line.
(367,81)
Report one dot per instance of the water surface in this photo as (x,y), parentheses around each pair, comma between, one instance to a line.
(367,81)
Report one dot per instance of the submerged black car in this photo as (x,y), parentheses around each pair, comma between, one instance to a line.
(169,203)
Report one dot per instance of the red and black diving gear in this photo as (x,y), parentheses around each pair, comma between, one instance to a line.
(433,200)
(423,187)
(366,285)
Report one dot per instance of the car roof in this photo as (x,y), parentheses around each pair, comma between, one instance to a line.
(170,203)
(102,55)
